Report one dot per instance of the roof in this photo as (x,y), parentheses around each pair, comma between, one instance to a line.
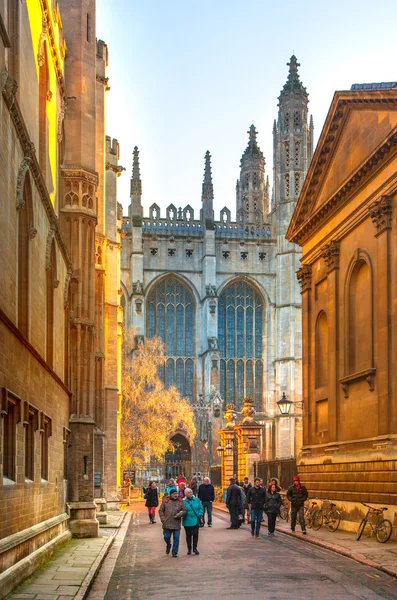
(386,85)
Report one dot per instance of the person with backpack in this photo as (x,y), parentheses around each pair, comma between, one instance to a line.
(152,500)
(297,494)
(191,520)
(171,511)
(233,503)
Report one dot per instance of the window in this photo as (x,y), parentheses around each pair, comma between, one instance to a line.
(286,184)
(360,318)
(170,316)
(10,406)
(50,283)
(286,122)
(43,95)
(287,155)
(297,183)
(24,226)
(321,350)
(45,433)
(240,331)
(297,153)
(30,423)
(297,120)
(66,442)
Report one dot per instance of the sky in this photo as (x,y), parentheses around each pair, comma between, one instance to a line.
(189,75)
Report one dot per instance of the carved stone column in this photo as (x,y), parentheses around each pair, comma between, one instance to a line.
(381,215)
(304,275)
(331,252)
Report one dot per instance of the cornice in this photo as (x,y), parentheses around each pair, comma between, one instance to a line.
(76,172)
(343,103)
(9,89)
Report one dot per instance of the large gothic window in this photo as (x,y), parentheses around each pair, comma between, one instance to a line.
(240,331)
(170,316)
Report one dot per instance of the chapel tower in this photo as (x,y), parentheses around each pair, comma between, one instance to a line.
(252,203)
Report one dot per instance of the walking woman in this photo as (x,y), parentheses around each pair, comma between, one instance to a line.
(272,507)
(191,520)
(152,500)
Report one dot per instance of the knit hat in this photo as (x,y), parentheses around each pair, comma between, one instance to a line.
(297,478)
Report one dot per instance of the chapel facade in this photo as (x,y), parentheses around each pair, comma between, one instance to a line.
(221,293)
(59,260)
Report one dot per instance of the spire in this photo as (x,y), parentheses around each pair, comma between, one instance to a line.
(208,188)
(293,83)
(136,183)
(252,149)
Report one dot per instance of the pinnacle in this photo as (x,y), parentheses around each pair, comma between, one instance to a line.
(136,184)
(252,149)
(293,83)
(208,188)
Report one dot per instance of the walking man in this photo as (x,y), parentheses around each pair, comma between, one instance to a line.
(256,497)
(206,494)
(171,511)
(297,494)
(233,502)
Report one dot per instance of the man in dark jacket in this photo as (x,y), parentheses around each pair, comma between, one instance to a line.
(256,497)
(206,494)
(171,511)
(233,502)
(297,494)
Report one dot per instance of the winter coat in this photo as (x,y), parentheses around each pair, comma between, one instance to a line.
(194,487)
(192,504)
(245,489)
(169,488)
(233,495)
(171,512)
(256,497)
(206,492)
(272,503)
(152,497)
(297,497)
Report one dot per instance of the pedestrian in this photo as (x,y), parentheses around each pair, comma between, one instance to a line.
(171,486)
(181,491)
(297,494)
(180,479)
(276,483)
(246,486)
(206,494)
(233,503)
(193,485)
(272,507)
(171,512)
(190,521)
(256,498)
(241,507)
(152,500)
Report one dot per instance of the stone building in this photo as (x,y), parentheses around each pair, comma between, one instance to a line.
(222,293)
(345,221)
(60,321)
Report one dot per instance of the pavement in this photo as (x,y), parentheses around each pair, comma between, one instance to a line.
(367,550)
(70,572)
(128,561)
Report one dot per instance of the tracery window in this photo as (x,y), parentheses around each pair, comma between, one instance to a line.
(240,336)
(297,120)
(286,184)
(170,316)
(297,153)
(287,161)
(297,183)
(286,122)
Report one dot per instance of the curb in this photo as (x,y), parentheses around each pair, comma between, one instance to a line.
(93,572)
(333,547)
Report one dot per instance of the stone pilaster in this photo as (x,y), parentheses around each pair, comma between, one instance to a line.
(304,275)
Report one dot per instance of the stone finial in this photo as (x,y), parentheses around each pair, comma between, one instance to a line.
(136,183)
(247,411)
(230,416)
(380,212)
(331,253)
(304,275)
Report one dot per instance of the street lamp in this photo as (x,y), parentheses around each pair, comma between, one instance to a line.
(228,449)
(219,450)
(285,405)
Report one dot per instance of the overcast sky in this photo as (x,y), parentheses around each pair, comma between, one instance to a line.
(187,76)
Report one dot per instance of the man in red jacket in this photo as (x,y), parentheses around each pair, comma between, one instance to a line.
(297,494)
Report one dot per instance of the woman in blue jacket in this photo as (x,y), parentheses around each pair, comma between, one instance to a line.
(190,521)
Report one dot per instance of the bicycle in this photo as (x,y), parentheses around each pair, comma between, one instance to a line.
(284,509)
(329,514)
(310,511)
(382,529)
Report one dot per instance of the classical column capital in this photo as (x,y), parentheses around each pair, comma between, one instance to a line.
(304,275)
(380,212)
(330,253)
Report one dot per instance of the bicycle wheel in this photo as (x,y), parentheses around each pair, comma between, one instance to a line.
(317,519)
(361,528)
(383,531)
(309,519)
(283,513)
(333,520)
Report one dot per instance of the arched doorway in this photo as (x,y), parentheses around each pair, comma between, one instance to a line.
(178,460)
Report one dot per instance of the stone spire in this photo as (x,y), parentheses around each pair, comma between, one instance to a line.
(207,195)
(252,205)
(293,83)
(136,190)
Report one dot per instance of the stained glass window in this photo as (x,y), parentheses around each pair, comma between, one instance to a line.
(170,316)
(240,335)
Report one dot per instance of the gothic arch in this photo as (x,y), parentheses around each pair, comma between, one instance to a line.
(321,349)
(359,314)
(178,276)
(249,281)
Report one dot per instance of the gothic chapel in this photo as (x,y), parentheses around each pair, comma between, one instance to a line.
(222,294)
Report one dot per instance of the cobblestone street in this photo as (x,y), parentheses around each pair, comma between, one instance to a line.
(231,565)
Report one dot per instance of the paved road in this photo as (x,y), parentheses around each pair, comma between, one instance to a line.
(233,565)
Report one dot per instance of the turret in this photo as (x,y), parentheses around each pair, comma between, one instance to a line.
(252,202)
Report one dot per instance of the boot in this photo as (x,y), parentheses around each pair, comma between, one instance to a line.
(151,519)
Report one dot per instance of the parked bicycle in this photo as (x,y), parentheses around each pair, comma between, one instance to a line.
(382,528)
(310,509)
(328,515)
(284,509)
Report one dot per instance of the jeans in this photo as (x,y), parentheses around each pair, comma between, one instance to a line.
(300,512)
(192,533)
(167,538)
(208,507)
(256,518)
(234,511)
(271,521)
